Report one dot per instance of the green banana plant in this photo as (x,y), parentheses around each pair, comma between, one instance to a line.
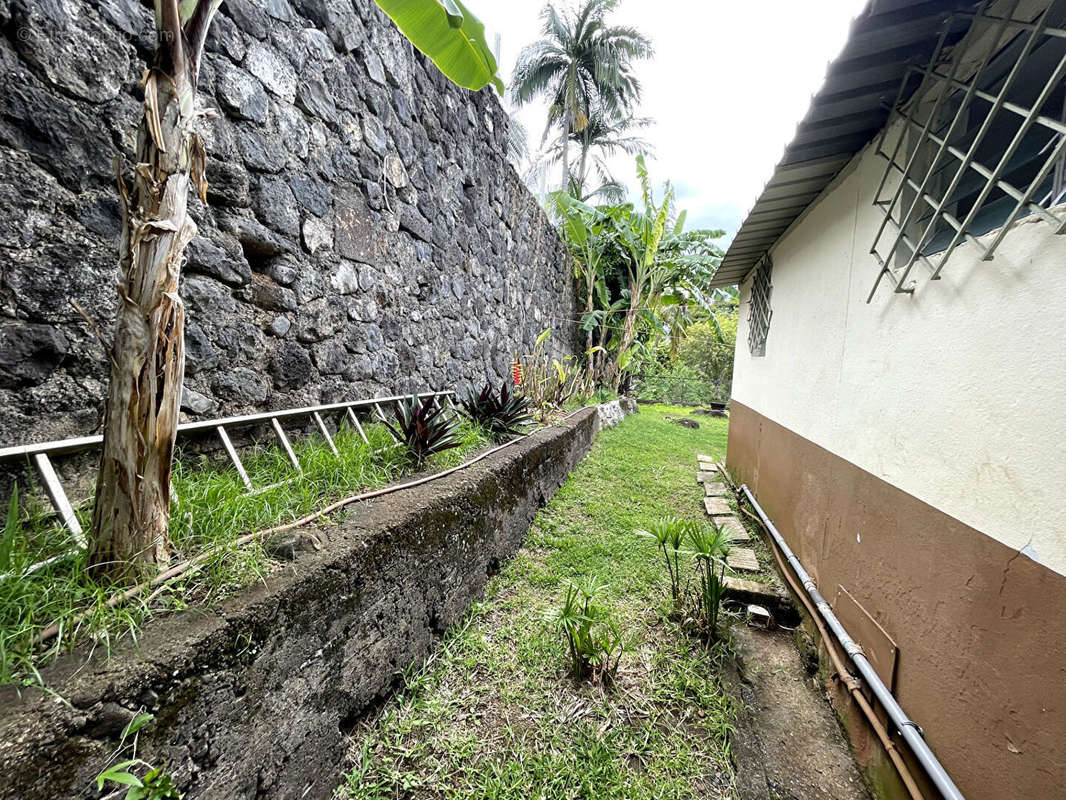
(450,36)
(641,234)
(587,233)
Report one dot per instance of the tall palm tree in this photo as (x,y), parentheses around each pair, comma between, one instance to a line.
(580,63)
(603,136)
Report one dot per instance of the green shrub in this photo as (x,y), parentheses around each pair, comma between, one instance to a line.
(593,638)
(707,350)
(550,382)
(678,384)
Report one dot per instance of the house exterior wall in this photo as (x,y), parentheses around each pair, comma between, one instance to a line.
(910,450)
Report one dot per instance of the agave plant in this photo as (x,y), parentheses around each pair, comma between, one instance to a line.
(423,427)
(502,414)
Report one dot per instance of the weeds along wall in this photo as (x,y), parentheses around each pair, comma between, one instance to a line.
(364,232)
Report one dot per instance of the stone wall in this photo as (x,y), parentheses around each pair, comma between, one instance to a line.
(364,232)
(254,698)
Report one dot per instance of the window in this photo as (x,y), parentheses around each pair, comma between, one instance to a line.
(982,141)
(759,311)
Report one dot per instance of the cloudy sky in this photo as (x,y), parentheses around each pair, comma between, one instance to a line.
(728,83)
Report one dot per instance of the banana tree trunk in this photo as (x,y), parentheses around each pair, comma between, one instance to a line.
(629,330)
(590,287)
(132,508)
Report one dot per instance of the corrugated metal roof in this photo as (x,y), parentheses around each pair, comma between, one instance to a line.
(850,108)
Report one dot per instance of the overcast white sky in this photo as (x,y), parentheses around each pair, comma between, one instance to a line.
(729,81)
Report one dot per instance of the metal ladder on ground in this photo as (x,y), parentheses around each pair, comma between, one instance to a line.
(39,455)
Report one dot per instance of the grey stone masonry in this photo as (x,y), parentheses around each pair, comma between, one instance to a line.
(364,232)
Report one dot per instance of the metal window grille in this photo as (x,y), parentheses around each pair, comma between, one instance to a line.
(759,311)
(982,142)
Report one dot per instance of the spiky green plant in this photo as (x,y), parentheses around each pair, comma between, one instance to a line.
(502,414)
(710,546)
(593,639)
(423,427)
(669,534)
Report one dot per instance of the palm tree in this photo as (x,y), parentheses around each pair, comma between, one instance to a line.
(580,63)
(603,136)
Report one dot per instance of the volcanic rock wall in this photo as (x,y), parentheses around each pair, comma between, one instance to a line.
(364,231)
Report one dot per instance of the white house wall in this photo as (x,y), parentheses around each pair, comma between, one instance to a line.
(955,394)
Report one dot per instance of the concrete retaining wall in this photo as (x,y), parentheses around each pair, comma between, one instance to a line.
(254,698)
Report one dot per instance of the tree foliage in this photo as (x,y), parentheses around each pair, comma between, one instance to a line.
(708,348)
(645,280)
(583,66)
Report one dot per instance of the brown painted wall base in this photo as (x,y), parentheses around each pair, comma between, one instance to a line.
(981,629)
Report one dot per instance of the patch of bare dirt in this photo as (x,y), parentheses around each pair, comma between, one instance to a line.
(788,745)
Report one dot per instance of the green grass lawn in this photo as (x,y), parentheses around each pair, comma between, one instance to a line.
(494,713)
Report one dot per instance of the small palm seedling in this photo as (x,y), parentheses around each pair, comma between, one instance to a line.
(669,535)
(593,638)
(502,414)
(423,427)
(710,546)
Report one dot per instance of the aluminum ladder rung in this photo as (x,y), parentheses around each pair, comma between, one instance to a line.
(325,432)
(58,496)
(285,443)
(232,453)
(355,421)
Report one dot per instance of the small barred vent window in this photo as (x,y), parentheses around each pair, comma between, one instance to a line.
(982,141)
(759,311)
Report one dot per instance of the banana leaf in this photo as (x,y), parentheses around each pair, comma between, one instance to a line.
(452,38)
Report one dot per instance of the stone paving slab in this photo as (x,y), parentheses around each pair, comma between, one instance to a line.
(734,528)
(717,507)
(706,476)
(715,489)
(743,558)
(707,464)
